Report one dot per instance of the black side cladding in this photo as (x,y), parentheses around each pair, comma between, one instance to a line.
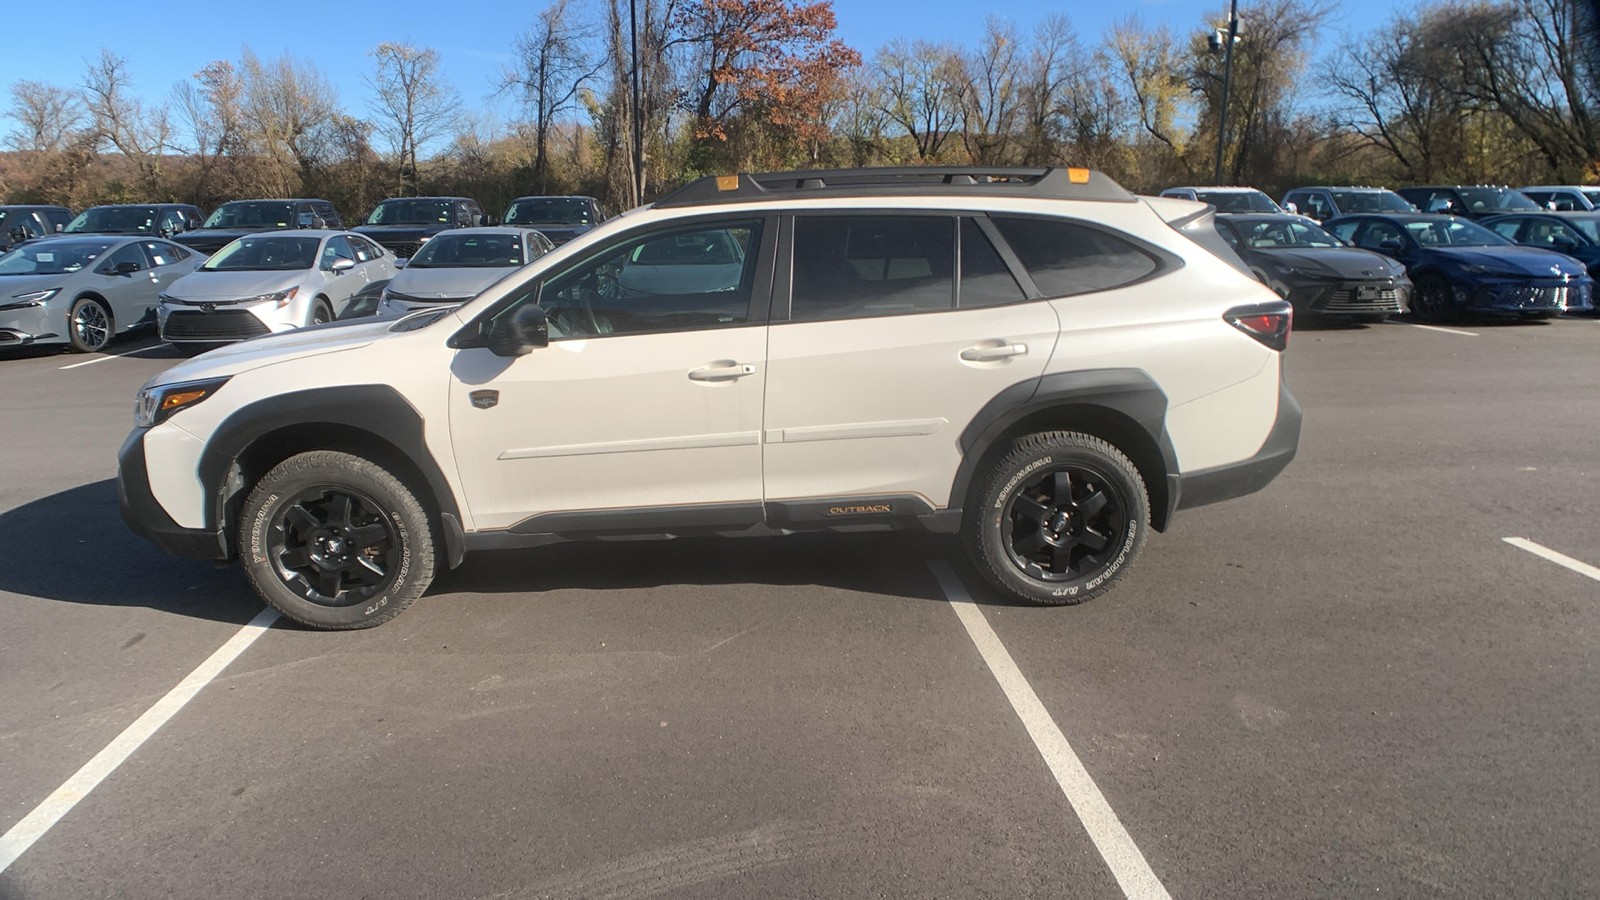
(377,409)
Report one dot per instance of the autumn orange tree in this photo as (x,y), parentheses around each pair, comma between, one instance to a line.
(774,61)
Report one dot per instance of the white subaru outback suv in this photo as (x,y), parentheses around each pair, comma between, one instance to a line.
(1034,358)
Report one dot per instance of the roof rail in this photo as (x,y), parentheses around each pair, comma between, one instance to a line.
(1046,182)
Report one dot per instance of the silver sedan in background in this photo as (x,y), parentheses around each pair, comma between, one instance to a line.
(454,266)
(83,291)
(278,281)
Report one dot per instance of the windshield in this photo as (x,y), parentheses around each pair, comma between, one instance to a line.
(104,219)
(411,212)
(53,258)
(1453,233)
(267,253)
(550,211)
(1270,234)
(252,214)
(1480,199)
(469,251)
(1370,202)
(1237,201)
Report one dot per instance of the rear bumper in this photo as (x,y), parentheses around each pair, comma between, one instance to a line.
(1226,482)
(144,513)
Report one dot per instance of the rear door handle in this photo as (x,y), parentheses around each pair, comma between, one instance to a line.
(993,352)
(722,370)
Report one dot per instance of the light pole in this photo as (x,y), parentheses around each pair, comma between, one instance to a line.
(638,119)
(1227,83)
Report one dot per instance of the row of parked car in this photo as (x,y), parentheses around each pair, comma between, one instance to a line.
(257,266)
(1367,253)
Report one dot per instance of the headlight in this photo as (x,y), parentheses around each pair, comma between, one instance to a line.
(156,404)
(281,298)
(32,298)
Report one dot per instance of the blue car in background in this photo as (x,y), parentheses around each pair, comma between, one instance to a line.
(1460,266)
(1577,234)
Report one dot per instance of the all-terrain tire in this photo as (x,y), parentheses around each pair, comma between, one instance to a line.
(335,541)
(1058,519)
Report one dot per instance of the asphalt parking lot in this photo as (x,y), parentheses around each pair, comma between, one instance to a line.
(1348,684)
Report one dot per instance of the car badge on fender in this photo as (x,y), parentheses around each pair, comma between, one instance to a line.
(484,399)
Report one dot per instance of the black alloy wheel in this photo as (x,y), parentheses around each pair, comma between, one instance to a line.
(321,313)
(333,546)
(1431,299)
(1058,520)
(1063,523)
(88,326)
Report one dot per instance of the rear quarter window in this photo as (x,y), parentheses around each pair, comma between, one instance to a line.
(1066,258)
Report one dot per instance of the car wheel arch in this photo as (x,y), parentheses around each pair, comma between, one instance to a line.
(1123,407)
(372,421)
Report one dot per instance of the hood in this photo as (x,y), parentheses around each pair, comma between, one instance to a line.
(1529,261)
(443,284)
(1346,263)
(12,285)
(202,285)
(400,232)
(224,234)
(231,359)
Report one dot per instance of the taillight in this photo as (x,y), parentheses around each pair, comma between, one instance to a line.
(1266,322)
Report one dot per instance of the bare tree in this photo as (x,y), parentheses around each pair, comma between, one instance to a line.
(412,105)
(553,64)
(292,113)
(47,116)
(920,87)
(120,119)
(1150,68)
(211,106)
(991,93)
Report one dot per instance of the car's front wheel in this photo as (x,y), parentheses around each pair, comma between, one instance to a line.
(335,541)
(89,326)
(1057,520)
(1431,303)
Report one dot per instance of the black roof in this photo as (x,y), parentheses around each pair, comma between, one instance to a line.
(1401,217)
(387,199)
(276,200)
(32,206)
(1049,182)
(144,206)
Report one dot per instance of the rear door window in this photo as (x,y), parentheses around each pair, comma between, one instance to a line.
(849,267)
(1066,258)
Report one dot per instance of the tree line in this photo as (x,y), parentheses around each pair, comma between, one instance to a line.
(1502,91)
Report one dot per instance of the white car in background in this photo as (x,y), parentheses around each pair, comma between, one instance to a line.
(267,283)
(454,266)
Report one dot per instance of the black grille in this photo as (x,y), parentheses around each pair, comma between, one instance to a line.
(207,246)
(1535,297)
(402,249)
(1361,298)
(228,325)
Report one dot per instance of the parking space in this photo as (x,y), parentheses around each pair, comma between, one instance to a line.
(1346,684)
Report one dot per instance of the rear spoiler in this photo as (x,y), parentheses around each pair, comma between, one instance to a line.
(1197,222)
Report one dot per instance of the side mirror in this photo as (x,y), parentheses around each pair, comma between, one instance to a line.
(127,267)
(59,226)
(1438,205)
(1563,242)
(401,263)
(528,329)
(1391,247)
(341,266)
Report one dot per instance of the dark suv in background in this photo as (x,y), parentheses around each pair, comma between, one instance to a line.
(24,223)
(404,224)
(1476,201)
(559,218)
(235,219)
(1324,203)
(164,219)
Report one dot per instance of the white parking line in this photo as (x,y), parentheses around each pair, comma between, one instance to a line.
(1127,864)
(1560,559)
(33,826)
(102,359)
(1442,329)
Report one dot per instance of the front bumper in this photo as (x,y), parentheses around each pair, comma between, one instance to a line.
(210,323)
(1388,296)
(29,325)
(147,519)
(1529,295)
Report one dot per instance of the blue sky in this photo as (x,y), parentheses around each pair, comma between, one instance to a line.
(166,42)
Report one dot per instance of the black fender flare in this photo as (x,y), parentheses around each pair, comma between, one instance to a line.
(376,409)
(1127,395)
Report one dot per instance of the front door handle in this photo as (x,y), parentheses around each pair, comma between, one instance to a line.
(993,352)
(721,370)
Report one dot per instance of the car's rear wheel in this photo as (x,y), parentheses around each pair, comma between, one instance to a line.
(335,541)
(1431,303)
(1057,520)
(89,326)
